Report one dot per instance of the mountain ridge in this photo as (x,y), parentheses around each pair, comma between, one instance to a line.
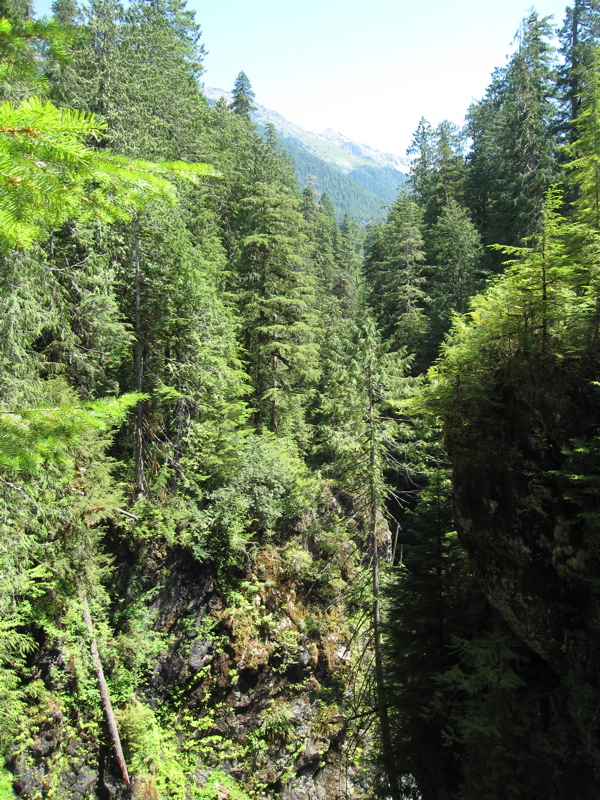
(360,180)
(264,115)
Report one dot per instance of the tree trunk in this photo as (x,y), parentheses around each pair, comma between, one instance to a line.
(106,704)
(384,722)
(574,82)
(139,416)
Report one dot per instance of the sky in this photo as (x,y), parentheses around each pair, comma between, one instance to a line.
(367,68)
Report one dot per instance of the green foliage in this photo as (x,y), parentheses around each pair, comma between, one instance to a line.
(275,303)
(152,755)
(218,783)
(133,647)
(437,172)
(31,438)
(6,782)
(513,161)
(278,723)
(266,486)
(583,154)
(21,58)
(58,320)
(152,105)
(490,718)
(383,181)
(395,275)
(541,311)
(364,384)
(579,35)
(235,310)
(242,96)
(581,487)
(50,174)
(56,490)
(431,597)
(528,340)
(42,157)
(48,171)
(456,248)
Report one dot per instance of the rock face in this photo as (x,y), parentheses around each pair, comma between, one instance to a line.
(248,680)
(526,500)
(256,674)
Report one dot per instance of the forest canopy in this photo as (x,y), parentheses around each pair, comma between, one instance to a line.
(289,504)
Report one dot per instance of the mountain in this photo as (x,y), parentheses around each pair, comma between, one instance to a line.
(360,180)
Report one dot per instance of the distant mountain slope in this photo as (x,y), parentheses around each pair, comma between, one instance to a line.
(363,152)
(360,180)
(347,194)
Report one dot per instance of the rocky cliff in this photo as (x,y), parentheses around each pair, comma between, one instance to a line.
(526,504)
(240,682)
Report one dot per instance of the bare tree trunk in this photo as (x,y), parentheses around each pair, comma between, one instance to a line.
(106,704)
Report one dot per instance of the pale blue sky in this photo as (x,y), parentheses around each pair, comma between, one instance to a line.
(368,69)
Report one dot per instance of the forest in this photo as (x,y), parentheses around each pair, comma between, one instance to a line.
(293,507)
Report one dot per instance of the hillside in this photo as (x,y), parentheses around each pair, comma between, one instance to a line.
(360,180)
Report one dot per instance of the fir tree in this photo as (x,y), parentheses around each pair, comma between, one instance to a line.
(359,432)
(275,300)
(579,37)
(438,169)
(243,96)
(456,252)
(513,158)
(394,272)
(431,600)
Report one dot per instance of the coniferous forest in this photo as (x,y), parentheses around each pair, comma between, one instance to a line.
(292,507)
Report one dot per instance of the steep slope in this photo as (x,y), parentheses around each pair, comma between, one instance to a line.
(349,193)
(517,390)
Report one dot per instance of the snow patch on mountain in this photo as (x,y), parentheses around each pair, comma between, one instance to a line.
(365,151)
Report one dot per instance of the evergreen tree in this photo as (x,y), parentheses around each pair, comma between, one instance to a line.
(348,283)
(583,167)
(432,599)
(139,69)
(270,276)
(358,432)
(275,301)
(529,332)
(456,251)
(309,204)
(243,96)
(320,249)
(47,168)
(66,12)
(422,168)
(394,272)
(49,533)
(438,168)
(579,37)
(326,240)
(512,161)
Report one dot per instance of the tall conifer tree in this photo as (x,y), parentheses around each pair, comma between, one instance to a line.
(513,157)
